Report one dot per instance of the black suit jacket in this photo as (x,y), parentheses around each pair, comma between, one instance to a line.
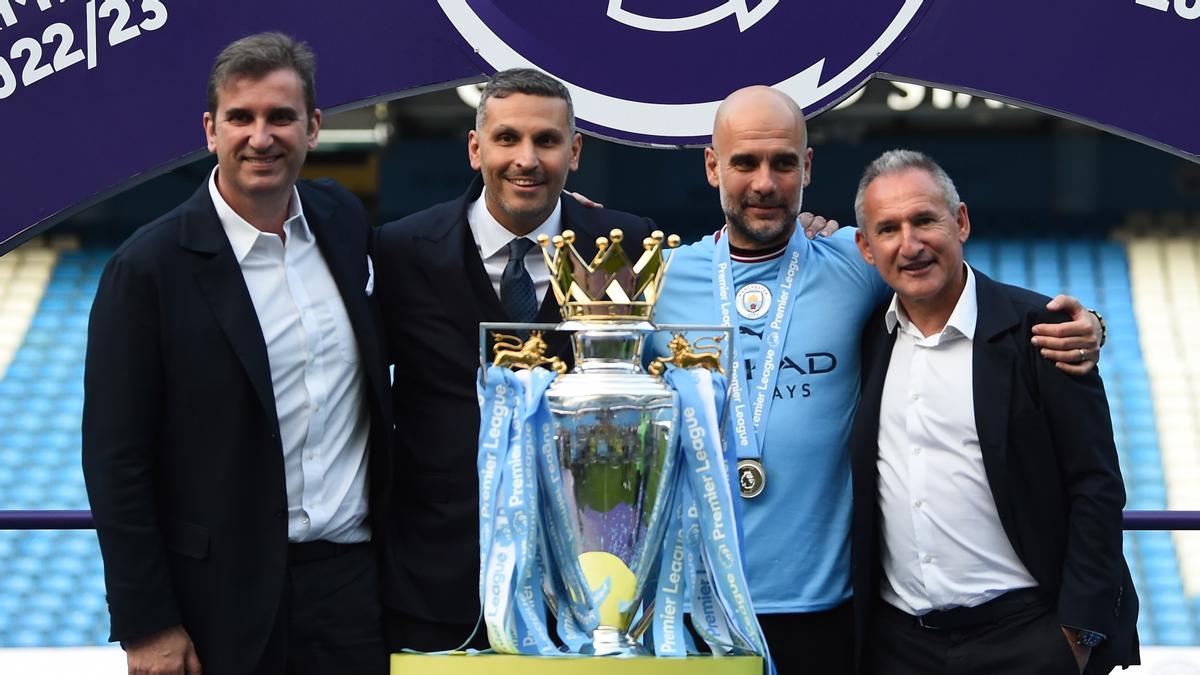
(434,293)
(1047,446)
(181,449)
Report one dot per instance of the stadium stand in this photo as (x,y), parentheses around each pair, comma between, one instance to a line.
(1164,263)
(51,584)
(1097,272)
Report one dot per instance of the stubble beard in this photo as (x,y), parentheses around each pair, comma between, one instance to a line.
(765,234)
(526,216)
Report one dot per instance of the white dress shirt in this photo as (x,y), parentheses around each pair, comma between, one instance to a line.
(320,397)
(943,544)
(491,240)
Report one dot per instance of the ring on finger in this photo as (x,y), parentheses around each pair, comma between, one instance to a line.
(1082,356)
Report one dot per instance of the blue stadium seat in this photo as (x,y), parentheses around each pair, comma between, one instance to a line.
(25,637)
(16,584)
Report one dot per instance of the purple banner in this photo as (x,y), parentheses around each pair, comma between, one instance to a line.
(1127,66)
(98,94)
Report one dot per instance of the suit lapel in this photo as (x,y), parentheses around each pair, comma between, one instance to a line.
(457,274)
(992,368)
(450,260)
(875,361)
(221,282)
(864,448)
(876,356)
(347,265)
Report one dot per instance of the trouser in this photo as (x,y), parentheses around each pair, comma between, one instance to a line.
(329,620)
(1021,636)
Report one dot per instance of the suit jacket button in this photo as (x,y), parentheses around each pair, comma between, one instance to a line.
(280,512)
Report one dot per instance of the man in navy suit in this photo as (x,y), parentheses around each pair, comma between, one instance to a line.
(236,425)
(441,272)
(987,494)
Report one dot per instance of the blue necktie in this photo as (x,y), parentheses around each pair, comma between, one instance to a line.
(516,287)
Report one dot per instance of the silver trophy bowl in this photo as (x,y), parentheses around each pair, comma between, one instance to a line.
(614,431)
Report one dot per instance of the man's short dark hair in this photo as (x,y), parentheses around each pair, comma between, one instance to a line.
(256,56)
(523,81)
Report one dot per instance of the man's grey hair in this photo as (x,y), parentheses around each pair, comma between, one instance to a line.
(256,56)
(897,161)
(523,81)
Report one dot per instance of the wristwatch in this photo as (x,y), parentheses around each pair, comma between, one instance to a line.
(1103,326)
(1085,638)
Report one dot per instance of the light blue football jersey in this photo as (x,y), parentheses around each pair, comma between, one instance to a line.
(797,532)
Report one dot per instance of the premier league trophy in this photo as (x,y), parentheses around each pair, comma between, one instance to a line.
(580,474)
(614,432)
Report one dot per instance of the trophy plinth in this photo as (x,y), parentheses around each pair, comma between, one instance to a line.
(610,641)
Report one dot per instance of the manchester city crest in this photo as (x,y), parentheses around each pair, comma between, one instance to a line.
(753,301)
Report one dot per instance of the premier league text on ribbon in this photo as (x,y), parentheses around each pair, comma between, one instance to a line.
(581,478)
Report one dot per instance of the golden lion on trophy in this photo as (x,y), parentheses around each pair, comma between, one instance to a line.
(510,352)
(685,354)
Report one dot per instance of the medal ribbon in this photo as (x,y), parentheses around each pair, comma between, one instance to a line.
(751,409)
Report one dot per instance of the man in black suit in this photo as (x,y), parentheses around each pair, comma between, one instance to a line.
(236,423)
(441,272)
(987,494)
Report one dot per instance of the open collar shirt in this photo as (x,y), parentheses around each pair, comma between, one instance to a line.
(320,394)
(943,545)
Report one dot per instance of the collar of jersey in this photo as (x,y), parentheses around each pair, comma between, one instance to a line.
(756,256)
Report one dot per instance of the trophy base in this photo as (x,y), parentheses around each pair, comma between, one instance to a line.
(609,641)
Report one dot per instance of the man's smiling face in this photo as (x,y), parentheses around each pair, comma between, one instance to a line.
(524,151)
(260,133)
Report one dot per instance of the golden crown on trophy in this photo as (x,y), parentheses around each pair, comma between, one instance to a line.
(610,287)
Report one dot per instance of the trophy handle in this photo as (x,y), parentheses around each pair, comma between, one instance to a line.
(510,352)
(686,354)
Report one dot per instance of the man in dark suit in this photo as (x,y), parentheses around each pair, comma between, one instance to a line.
(236,422)
(987,494)
(441,272)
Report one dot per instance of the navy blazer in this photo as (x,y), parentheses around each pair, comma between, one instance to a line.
(434,292)
(181,449)
(1047,444)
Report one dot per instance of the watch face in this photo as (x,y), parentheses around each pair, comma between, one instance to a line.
(1086,638)
(1089,639)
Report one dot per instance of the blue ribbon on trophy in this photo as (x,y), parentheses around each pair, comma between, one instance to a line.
(596,482)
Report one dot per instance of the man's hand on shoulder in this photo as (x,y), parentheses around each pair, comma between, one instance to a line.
(816,226)
(1074,345)
(167,652)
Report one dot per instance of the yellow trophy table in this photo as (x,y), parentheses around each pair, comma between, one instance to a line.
(507,664)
